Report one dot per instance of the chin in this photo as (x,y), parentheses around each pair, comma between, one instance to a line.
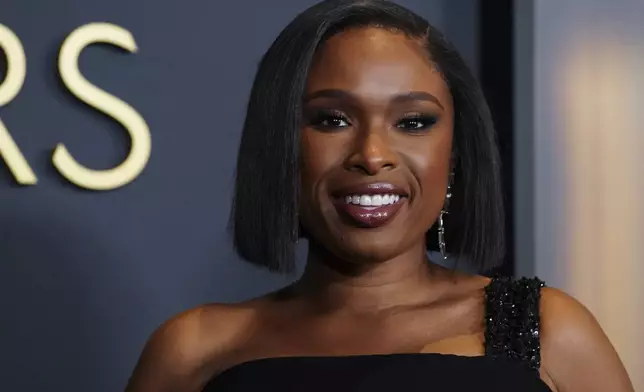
(371,248)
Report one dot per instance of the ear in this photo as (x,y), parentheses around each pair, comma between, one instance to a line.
(452,166)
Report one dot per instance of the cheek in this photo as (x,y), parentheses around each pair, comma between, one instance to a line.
(313,161)
(430,158)
(430,164)
(433,177)
(318,157)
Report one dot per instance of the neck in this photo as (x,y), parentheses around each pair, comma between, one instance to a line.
(333,284)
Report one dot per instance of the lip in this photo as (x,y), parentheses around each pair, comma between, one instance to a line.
(369,217)
(373,188)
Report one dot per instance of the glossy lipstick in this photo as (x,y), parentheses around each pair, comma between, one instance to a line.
(370,205)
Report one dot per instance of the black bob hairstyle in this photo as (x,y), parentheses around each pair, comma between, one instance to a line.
(265,212)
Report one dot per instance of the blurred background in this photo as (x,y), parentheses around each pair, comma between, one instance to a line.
(86,276)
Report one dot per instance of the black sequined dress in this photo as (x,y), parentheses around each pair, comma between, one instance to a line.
(510,364)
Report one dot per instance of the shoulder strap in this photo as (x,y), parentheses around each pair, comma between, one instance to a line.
(512,320)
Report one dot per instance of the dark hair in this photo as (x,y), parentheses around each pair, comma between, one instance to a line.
(264,217)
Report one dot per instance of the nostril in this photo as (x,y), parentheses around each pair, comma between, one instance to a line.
(370,166)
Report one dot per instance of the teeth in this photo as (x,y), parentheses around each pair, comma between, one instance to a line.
(376,200)
(372,200)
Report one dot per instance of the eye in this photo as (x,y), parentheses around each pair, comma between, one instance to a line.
(417,122)
(329,120)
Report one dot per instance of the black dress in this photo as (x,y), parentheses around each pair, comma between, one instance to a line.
(510,364)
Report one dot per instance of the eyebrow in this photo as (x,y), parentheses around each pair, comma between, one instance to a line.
(399,98)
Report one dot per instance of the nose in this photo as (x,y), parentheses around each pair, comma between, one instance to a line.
(371,154)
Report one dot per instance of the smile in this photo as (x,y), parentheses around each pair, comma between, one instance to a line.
(372,200)
(370,205)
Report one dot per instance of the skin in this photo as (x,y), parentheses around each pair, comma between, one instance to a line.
(371,291)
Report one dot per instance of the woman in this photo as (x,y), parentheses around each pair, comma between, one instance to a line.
(362,124)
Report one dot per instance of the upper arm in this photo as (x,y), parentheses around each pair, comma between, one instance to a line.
(183,353)
(576,353)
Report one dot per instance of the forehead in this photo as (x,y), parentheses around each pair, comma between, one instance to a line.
(375,61)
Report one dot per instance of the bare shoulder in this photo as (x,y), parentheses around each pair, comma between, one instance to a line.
(577,355)
(184,352)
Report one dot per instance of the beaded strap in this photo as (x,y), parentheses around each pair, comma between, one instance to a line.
(512,320)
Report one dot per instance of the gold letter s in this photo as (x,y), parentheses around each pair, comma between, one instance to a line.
(9,89)
(135,125)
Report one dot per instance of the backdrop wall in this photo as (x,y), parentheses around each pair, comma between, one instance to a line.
(85,276)
(580,172)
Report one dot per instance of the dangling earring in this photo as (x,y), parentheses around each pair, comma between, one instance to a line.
(441,224)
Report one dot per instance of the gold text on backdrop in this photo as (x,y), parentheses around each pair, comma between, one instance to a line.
(93,96)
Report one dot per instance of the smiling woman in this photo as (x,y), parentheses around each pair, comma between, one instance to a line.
(362,124)
(381,117)
(326,91)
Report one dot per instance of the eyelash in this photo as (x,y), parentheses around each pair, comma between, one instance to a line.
(421,122)
(424,122)
(324,116)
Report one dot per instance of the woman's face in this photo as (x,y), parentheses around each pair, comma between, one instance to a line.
(376,145)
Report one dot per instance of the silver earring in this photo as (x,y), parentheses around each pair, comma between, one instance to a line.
(441,224)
